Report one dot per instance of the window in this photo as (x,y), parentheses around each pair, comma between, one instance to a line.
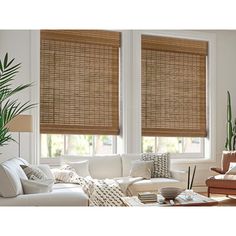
(56,145)
(174,94)
(177,146)
(79,91)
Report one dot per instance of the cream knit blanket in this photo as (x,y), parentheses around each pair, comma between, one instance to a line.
(105,192)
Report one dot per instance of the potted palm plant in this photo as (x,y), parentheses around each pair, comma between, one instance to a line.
(10,107)
(230,132)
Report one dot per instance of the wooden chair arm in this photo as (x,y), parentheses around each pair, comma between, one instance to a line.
(217,170)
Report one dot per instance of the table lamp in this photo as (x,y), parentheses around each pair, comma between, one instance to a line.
(21,123)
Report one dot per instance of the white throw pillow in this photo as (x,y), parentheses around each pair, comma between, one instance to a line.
(40,186)
(141,169)
(232,169)
(81,167)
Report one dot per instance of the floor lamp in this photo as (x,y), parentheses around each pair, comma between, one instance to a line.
(21,123)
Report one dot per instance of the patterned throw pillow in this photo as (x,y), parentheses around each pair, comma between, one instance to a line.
(161,164)
(33,172)
(64,175)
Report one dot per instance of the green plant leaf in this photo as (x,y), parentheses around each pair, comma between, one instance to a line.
(9,74)
(5,60)
(10,107)
(1,67)
(10,62)
(13,68)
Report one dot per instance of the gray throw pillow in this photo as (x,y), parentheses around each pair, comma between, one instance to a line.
(33,172)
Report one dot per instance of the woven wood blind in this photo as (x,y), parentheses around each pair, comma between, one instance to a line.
(173,87)
(79,82)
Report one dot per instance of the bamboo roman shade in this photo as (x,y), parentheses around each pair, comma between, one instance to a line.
(173,87)
(79,82)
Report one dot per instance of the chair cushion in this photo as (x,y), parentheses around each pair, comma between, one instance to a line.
(227,157)
(222,181)
(10,175)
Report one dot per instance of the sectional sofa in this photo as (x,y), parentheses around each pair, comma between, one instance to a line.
(100,167)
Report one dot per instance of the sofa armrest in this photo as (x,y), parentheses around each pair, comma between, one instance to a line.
(180,175)
(217,170)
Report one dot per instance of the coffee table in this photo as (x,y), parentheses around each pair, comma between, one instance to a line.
(197,200)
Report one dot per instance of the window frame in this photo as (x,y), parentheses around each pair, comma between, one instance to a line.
(130,140)
(209,144)
(116,139)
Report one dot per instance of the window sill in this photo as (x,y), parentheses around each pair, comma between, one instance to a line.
(192,161)
(55,161)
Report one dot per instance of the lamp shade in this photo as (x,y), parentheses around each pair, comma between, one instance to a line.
(21,123)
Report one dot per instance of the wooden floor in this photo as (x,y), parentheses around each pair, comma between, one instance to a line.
(223,200)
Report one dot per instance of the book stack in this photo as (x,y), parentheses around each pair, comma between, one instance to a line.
(147,197)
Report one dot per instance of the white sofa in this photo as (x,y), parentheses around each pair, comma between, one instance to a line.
(100,167)
(11,191)
(118,166)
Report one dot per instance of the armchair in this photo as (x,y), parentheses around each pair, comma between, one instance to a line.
(223,183)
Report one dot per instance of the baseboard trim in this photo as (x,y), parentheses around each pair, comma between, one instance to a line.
(200,189)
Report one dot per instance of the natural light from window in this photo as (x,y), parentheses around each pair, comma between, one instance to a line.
(56,145)
(174,145)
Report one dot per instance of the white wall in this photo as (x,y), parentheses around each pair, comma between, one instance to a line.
(225,80)
(19,45)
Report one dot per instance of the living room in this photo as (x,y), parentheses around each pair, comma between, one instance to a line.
(39,145)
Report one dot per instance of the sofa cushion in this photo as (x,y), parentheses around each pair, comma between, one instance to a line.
(101,167)
(127,162)
(10,175)
(153,185)
(61,195)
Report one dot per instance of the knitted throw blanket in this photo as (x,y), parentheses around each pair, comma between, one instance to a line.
(105,192)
